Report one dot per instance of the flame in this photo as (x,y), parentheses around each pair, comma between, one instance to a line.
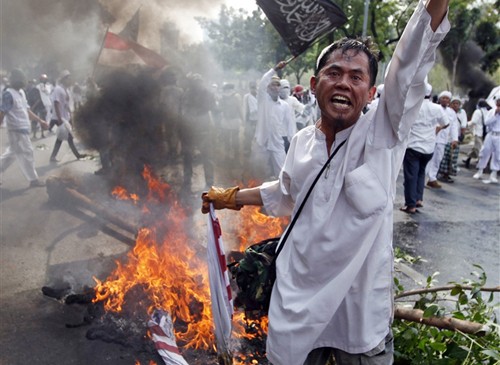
(121,193)
(170,266)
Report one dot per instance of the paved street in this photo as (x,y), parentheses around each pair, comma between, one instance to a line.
(46,244)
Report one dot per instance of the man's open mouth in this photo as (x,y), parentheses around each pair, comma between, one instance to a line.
(341,102)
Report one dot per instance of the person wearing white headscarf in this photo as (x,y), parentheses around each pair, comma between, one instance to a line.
(442,139)
(276,122)
(301,111)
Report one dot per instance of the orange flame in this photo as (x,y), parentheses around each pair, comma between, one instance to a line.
(171,267)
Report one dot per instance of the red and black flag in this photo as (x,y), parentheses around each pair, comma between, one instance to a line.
(117,51)
(300,23)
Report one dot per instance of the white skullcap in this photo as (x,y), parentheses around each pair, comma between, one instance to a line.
(445,93)
(284,83)
(428,89)
(457,98)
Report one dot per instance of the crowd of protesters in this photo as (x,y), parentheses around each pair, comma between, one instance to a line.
(247,126)
(435,140)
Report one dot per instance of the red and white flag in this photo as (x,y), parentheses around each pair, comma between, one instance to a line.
(162,331)
(220,289)
(118,51)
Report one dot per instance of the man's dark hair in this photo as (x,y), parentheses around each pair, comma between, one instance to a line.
(365,45)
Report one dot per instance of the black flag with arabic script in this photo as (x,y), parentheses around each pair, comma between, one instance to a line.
(301,22)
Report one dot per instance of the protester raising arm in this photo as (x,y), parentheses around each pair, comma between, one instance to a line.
(437,10)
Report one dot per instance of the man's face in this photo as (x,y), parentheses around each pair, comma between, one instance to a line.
(444,101)
(273,89)
(284,92)
(342,87)
(455,105)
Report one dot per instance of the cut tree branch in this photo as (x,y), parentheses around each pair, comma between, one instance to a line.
(454,324)
(444,288)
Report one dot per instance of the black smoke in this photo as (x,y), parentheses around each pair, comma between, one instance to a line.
(469,75)
(124,122)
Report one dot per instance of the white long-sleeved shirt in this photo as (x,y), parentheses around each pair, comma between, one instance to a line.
(423,131)
(492,121)
(477,121)
(334,274)
(275,118)
(462,118)
(450,133)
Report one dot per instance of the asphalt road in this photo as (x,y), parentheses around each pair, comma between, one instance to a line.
(43,243)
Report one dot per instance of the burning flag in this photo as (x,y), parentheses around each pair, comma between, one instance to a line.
(118,51)
(162,332)
(220,289)
(300,23)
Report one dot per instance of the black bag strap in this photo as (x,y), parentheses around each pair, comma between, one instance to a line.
(296,216)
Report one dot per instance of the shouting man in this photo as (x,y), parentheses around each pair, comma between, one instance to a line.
(333,291)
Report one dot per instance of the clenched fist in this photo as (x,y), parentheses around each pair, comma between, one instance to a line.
(221,199)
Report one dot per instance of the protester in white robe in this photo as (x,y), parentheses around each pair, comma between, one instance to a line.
(476,124)
(275,123)
(333,290)
(491,147)
(442,139)
(301,111)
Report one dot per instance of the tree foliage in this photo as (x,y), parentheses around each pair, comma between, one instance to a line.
(469,48)
(242,41)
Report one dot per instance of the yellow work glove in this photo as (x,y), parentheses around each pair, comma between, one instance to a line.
(221,199)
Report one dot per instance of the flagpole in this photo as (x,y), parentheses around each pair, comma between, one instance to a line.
(100,51)
(291,59)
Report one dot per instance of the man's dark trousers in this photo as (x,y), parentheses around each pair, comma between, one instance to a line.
(414,164)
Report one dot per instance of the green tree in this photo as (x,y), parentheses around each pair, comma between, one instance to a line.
(241,41)
(237,39)
(463,20)
(487,36)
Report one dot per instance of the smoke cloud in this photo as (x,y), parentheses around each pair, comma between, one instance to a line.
(469,74)
(46,36)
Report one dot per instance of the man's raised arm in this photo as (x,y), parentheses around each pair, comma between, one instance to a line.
(437,10)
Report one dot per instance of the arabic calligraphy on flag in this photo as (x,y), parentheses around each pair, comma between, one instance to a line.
(301,22)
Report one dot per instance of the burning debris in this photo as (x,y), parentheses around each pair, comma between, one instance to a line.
(163,280)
